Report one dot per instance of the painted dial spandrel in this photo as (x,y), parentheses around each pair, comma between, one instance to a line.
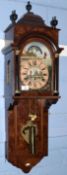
(34,62)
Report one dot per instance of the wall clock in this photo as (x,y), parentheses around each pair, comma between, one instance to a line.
(34,61)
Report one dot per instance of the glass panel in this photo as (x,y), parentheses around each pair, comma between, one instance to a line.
(35,67)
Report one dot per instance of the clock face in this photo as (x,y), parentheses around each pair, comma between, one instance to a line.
(34,72)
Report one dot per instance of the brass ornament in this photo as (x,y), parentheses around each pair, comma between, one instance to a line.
(29,132)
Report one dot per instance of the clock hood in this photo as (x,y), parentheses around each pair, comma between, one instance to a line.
(32,19)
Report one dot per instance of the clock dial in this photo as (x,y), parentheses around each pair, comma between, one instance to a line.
(34,74)
(35,61)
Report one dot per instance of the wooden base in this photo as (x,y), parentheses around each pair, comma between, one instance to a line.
(22,151)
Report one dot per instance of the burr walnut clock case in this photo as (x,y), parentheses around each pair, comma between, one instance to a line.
(34,53)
